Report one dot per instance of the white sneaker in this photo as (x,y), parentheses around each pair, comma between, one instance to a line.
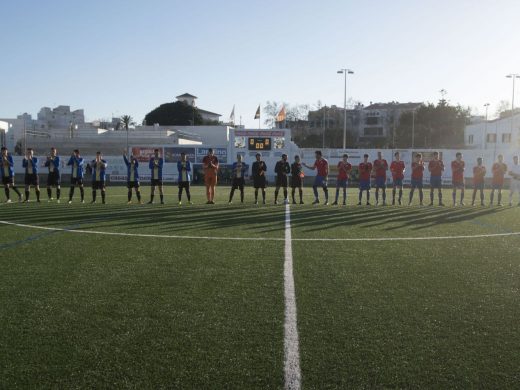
(8,201)
(58,201)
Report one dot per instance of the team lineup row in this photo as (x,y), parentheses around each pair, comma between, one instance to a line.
(286,175)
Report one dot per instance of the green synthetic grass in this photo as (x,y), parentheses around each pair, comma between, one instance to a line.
(97,311)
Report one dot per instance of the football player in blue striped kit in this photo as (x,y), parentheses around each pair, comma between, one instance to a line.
(238,170)
(77,173)
(8,175)
(30,163)
(132,177)
(184,169)
(156,166)
(99,167)
(54,176)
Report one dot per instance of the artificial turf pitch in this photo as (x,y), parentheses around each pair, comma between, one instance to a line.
(82,310)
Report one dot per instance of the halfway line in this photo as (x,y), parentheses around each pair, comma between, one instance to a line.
(291,344)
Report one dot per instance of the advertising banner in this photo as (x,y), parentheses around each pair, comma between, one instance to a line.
(143,154)
(173,154)
(221,154)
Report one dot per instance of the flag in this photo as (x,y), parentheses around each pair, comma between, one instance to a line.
(232,116)
(281,115)
(257,115)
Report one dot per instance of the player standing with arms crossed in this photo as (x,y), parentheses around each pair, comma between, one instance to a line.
(365,171)
(499,170)
(184,169)
(239,170)
(282,169)
(417,178)
(30,163)
(297,176)
(156,166)
(76,177)
(99,167)
(344,169)
(322,167)
(397,168)
(457,177)
(436,167)
(258,171)
(380,168)
(514,186)
(8,175)
(479,172)
(210,165)
(54,176)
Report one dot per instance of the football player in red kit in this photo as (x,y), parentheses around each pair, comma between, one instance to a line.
(457,178)
(365,170)
(397,168)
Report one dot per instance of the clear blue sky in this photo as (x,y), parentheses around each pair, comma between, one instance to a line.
(127,57)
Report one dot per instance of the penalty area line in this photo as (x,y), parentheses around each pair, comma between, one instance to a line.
(292,372)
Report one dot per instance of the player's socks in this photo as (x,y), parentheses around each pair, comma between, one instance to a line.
(431,196)
(138,193)
(400,195)
(37,195)
(377,195)
(94,195)
(462,197)
(152,195)
(49,193)
(71,193)
(410,197)
(130,195)
(82,193)
(256,194)
(263,195)
(103,196)
(499,198)
(301,195)
(17,191)
(421,196)
(315,191)
(293,192)
(360,196)
(454,196)
(27,193)
(326,190)
(231,193)
(162,198)
(285,193)
(58,193)
(241,196)
(188,195)
(393,196)
(275,196)
(6,190)
(384,197)
(368,197)
(440,198)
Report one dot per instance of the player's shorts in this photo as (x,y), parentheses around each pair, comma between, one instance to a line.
(398,182)
(7,180)
(380,182)
(417,183)
(31,179)
(364,185)
(132,184)
(53,179)
(98,185)
(296,181)
(259,182)
(458,184)
(184,184)
(281,181)
(342,183)
(210,180)
(478,186)
(320,181)
(238,182)
(76,181)
(435,181)
(156,182)
(497,186)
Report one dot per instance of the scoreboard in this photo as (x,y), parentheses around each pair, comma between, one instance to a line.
(259,143)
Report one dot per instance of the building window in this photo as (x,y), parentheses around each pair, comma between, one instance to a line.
(372,120)
(491,138)
(373,131)
(506,138)
(470,140)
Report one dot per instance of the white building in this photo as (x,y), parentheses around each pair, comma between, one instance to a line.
(498,134)
(190,101)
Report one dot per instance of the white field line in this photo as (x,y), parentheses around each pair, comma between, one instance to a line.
(292,371)
(427,238)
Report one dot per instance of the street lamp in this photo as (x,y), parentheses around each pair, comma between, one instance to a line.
(345,72)
(485,127)
(513,76)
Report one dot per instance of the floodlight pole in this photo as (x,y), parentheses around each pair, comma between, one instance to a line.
(345,72)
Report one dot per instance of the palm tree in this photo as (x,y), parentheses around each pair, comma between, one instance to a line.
(126,122)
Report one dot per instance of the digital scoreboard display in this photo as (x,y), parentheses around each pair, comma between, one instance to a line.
(263,143)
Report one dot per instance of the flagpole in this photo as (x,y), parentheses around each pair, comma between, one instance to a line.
(259,116)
